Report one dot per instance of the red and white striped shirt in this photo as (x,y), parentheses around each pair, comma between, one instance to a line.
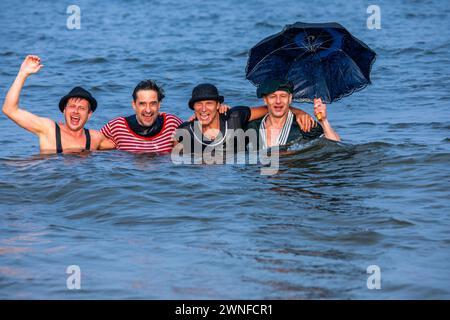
(126,139)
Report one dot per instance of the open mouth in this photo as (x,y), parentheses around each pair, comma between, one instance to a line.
(75,120)
(147,117)
(204,117)
(278,108)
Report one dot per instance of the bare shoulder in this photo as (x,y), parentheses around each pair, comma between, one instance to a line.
(100,142)
(96,134)
(48,126)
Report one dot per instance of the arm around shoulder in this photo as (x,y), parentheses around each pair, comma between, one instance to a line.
(105,143)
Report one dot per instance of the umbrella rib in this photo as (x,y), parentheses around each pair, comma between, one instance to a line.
(296,58)
(325,42)
(254,68)
(319,48)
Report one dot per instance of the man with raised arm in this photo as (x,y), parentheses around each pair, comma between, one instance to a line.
(77,107)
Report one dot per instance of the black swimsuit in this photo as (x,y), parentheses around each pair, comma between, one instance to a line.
(59,148)
(235,118)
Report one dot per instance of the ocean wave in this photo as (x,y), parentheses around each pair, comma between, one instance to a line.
(95,60)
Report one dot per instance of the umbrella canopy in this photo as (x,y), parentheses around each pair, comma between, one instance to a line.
(322,60)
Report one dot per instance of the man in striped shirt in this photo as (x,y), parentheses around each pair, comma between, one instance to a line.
(147,130)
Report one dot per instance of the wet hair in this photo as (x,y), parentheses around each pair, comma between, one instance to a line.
(149,85)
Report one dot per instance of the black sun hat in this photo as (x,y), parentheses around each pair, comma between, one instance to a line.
(205,91)
(78,92)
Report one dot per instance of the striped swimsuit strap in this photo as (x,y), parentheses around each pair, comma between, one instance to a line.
(284,134)
(214,143)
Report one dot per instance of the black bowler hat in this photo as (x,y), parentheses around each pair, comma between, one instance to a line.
(270,86)
(78,92)
(205,91)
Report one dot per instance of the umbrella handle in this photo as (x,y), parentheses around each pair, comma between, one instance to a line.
(319,116)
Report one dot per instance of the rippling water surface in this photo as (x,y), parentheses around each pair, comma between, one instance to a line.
(140,226)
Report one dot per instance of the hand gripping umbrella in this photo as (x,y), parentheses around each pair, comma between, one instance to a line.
(322,60)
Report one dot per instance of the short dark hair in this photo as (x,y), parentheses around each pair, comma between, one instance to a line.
(149,85)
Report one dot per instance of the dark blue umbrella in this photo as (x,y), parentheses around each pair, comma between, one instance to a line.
(323,60)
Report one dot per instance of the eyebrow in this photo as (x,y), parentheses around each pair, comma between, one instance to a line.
(153,101)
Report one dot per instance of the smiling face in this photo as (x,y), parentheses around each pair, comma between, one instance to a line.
(146,107)
(278,103)
(206,111)
(76,113)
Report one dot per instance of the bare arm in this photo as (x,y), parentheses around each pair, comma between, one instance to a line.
(106,143)
(304,120)
(320,107)
(257,112)
(25,119)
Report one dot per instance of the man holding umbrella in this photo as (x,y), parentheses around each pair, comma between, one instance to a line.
(277,128)
(323,62)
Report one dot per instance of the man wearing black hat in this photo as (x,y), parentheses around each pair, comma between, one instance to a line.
(77,107)
(277,128)
(213,129)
